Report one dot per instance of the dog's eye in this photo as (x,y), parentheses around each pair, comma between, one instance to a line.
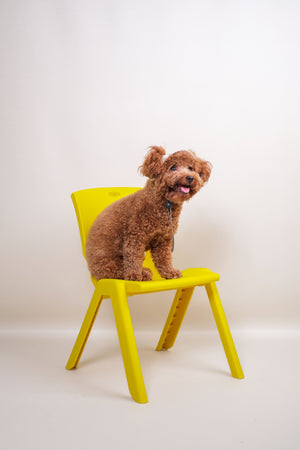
(191,168)
(201,173)
(173,168)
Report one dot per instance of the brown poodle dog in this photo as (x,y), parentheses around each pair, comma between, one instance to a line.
(121,234)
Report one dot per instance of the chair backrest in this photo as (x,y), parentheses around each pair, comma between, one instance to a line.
(88,203)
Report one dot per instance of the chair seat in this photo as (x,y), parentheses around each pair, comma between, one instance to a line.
(190,278)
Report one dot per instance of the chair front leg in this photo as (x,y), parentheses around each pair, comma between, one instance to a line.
(224,331)
(174,320)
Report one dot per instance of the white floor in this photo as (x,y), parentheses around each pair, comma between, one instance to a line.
(194,403)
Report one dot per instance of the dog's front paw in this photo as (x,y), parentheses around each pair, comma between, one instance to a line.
(173,273)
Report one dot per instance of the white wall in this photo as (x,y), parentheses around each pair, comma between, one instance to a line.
(86,86)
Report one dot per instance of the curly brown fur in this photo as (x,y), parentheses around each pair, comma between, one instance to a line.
(139,222)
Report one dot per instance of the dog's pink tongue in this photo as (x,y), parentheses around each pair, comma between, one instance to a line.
(184,189)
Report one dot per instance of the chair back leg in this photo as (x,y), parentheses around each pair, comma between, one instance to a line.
(128,344)
(85,330)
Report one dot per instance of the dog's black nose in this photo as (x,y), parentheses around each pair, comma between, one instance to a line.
(189,179)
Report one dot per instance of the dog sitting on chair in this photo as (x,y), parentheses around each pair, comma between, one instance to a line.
(147,219)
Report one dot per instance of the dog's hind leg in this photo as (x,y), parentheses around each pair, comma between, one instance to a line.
(146,274)
(107,268)
(133,253)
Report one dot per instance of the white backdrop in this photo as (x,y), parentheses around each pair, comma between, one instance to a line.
(87,86)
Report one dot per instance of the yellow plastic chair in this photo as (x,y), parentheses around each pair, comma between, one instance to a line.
(88,204)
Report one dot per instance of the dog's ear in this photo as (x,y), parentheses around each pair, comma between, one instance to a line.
(205,170)
(153,163)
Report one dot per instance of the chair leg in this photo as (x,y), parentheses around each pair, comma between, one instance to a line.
(85,330)
(128,344)
(224,331)
(173,323)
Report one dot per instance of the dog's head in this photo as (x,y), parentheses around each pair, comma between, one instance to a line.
(178,176)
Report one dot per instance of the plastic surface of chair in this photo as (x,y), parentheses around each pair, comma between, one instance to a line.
(88,204)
